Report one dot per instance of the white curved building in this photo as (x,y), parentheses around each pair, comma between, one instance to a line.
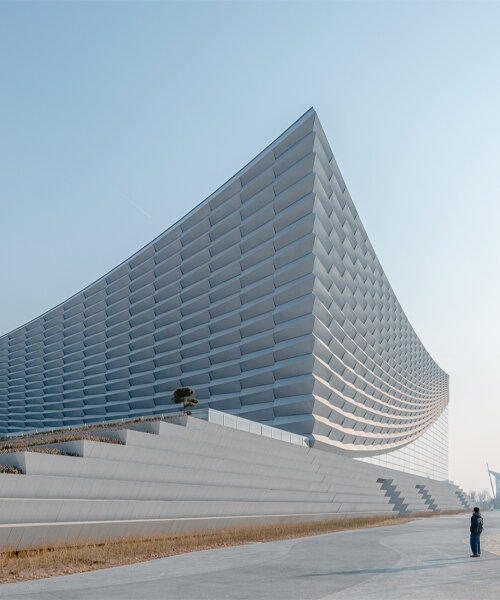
(269,300)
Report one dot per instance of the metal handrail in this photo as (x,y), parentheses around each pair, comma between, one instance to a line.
(228,420)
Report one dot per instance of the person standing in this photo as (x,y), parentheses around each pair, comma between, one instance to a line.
(476,528)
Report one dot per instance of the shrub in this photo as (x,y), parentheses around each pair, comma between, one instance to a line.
(185,396)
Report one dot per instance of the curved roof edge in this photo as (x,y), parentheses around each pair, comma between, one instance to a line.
(309,113)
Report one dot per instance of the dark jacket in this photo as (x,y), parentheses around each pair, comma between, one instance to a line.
(476,523)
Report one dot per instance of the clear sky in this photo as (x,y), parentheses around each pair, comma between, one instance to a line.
(117,118)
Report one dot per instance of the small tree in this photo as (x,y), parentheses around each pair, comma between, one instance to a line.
(185,396)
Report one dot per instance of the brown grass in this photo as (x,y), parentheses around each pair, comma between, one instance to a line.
(49,562)
(9,444)
(21,445)
(426,515)
(10,470)
(50,451)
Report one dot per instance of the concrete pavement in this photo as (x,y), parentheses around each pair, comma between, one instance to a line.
(427,558)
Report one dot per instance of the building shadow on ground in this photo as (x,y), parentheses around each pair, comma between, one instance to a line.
(397,569)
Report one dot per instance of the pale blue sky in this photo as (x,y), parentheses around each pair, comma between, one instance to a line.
(117,118)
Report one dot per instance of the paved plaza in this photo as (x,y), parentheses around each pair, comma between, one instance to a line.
(423,559)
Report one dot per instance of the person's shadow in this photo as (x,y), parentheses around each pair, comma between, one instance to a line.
(443,559)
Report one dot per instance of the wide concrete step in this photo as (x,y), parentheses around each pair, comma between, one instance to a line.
(412,506)
(337,461)
(344,488)
(129,454)
(416,508)
(364,507)
(369,482)
(341,466)
(301,457)
(360,497)
(87,449)
(199,432)
(39,510)
(170,478)
(443,505)
(410,496)
(444,496)
(348,469)
(50,486)
(211,449)
(32,463)
(35,486)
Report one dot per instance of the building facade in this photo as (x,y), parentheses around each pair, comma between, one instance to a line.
(427,456)
(267,298)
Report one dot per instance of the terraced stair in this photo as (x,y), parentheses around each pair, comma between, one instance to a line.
(428,499)
(173,477)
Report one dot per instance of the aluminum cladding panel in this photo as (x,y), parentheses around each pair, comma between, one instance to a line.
(267,298)
(214,303)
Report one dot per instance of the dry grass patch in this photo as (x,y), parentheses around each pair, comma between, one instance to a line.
(10,470)
(83,432)
(22,445)
(50,451)
(428,515)
(49,562)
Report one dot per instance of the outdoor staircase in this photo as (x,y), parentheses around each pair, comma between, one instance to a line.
(424,492)
(163,478)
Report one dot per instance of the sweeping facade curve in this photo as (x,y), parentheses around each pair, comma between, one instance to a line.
(268,298)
